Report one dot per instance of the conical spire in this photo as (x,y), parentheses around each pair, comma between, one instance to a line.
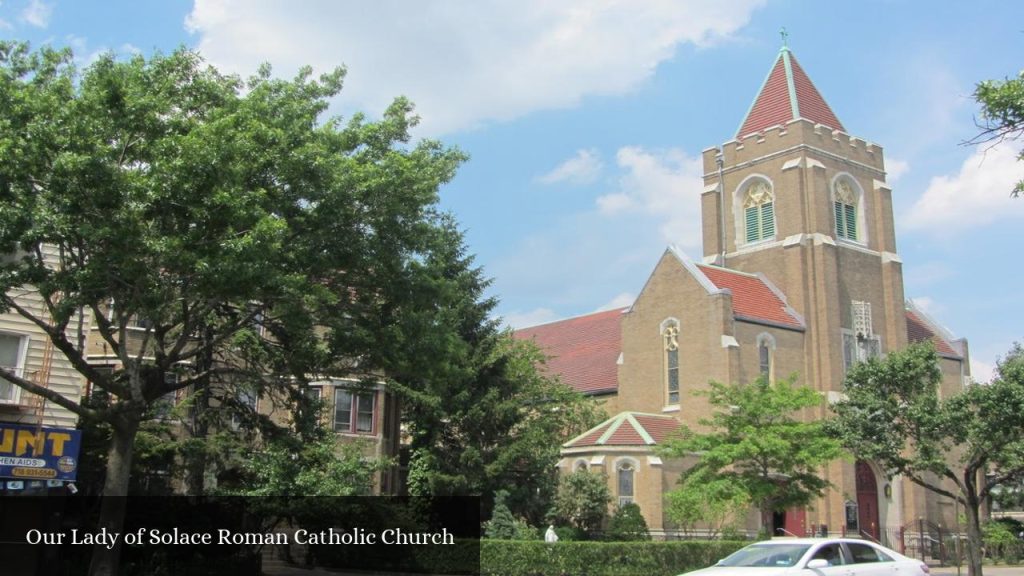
(787,94)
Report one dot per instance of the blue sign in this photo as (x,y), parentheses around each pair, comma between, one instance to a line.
(31,453)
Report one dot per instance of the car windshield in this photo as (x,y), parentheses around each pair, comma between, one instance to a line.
(767,554)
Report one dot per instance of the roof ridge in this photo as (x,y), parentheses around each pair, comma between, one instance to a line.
(733,270)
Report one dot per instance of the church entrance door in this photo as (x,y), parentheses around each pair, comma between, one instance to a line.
(867,500)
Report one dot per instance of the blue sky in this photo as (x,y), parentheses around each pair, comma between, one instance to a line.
(585,121)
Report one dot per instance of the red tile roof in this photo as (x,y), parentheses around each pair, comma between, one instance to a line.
(919,330)
(752,299)
(583,351)
(627,429)
(787,94)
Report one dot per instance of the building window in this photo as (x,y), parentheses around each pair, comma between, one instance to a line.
(353,411)
(670,335)
(765,355)
(580,466)
(626,473)
(758,211)
(845,201)
(12,358)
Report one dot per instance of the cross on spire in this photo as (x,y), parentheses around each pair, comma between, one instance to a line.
(785,37)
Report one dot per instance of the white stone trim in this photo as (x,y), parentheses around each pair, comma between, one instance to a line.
(794,163)
(794,240)
(891,257)
(811,162)
(820,239)
(653,461)
(785,301)
(729,341)
(704,281)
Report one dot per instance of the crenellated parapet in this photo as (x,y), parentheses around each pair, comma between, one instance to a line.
(796,134)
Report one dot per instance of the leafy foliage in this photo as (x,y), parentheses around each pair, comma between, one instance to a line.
(1002,113)
(627,524)
(505,558)
(582,501)
(759,446)
(502,524)
(499,427)
(961,445)
(714,502)
(223,237)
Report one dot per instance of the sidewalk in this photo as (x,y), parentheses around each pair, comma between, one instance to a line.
(1000,570)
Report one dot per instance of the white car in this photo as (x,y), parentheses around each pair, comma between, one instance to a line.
(815,557)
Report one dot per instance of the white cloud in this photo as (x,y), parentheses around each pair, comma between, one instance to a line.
(621,301)
(37,13)
(85,54)
(895,168)
(464,63)
(977,195)
(982,371)
(666,185)
(533,317)
(921,275)
(583,168)
(928,306)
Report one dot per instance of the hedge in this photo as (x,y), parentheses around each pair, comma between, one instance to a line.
(517,558)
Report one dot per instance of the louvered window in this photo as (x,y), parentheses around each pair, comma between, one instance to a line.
(845,206)
(759,212)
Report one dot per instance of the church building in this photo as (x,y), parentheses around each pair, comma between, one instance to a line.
(800,275)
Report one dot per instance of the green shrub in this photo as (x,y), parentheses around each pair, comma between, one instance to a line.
(627,524)
(507,558)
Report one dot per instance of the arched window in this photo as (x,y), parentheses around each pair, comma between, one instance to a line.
(758,203)
(670,335)
(580,466)
(765,355)
(845,202)
(625,472)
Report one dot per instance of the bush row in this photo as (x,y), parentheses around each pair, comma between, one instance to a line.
(516,558)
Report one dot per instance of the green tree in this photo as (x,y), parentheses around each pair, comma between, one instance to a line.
(961,446)
(498,427)
(627,524)
(1002,114)
(208,211)
(582,501)
(761,444)
(705,498)
(502,524)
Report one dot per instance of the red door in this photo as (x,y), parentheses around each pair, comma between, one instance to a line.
(796,522)
(867,500)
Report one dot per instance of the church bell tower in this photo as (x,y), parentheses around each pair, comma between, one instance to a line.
(795,197)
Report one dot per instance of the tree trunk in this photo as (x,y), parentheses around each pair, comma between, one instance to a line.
(115,491)
(975,543)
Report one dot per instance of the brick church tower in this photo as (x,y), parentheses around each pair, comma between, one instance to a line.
(800,275)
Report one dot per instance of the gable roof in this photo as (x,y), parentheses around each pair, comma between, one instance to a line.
(787,94)
(753,299)
(920,328)
(627,429)
(583,351)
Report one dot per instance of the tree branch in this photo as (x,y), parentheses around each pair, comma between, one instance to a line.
(49,394)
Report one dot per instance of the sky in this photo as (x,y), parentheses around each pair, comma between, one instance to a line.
(585,120)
